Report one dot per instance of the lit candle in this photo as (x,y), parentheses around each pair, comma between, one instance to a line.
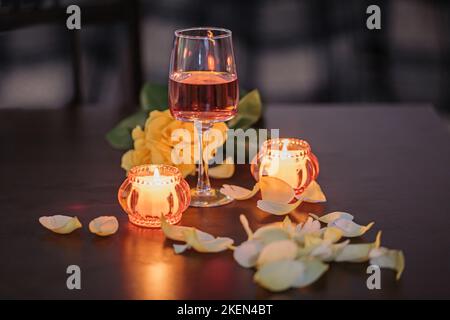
(290,160)
(155,194)
(152,191)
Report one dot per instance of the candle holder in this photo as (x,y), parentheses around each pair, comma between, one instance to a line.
(152,191)
(288,159)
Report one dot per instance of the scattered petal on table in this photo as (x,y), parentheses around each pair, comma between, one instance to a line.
(239,193)
(313,194)
(222,171)
(246,226)
(270,233)
(313,270)
(247,253)
(206,245)
(277,208)
(349,228)
(330,217)
(60,224)
(327,251)
(174,232)
(289,226)
(278,250)
(358,252)
(311,226)
(333,234)
(180,248)
(104,225)
(386,258)
(275,190)
(279,275)
(310,242)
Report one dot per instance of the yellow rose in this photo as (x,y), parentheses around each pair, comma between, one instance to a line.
(155,143)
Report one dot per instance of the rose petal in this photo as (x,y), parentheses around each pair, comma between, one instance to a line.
(178,233)
(349,228)
(276,190)
(332,234)
(279,275)
(328,252)
(60,224)
(239,193)
(246,226)
(104,225)
(391,259)
(174,232)
(311,226)
(310,242)
(247,253)
(180,248)
(223,171)
(313,194)
(330,217)
(358,252)
(270,233)
(211,245)
(278,250)
(289,226)
(313,270)
(277,208)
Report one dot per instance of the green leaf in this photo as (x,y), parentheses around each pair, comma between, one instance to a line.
(154,97)
(249,111)
(120,136)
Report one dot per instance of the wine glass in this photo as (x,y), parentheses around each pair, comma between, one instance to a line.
(203,88)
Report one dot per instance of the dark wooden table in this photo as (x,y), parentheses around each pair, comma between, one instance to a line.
(389,164)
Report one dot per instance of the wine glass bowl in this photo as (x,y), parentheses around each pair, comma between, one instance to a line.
(203,88)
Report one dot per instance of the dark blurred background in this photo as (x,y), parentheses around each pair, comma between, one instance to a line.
(294,51)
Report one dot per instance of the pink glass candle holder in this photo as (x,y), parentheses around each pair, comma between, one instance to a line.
(152,191)
(288,159)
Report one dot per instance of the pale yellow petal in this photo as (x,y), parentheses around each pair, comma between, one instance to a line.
(313,270)
(289,226)
(349,228)
(213,245)
(332,234)
(247,253)
(358,252)
(330,217)
(60,224)
(277,208)
(239,193)
(246,226)
(386,258)
(279,275)
(222,171)
(174,232)
(180,248)
(270,233)
(278,250)
(313,194)
(104,225)
(311,226)
(275,190)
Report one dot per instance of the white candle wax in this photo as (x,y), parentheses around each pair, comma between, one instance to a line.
(284,164)
(154,195)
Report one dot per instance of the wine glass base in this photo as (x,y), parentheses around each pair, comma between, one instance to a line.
(212,198)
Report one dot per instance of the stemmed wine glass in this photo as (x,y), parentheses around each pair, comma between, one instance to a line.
(203,88)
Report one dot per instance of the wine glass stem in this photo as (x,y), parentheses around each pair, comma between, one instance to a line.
(203,185)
